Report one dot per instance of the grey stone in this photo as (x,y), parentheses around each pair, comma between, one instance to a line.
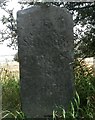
(45,44)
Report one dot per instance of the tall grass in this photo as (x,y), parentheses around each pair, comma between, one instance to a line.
(85,85)
(10,92)
(83,105)
(81,108)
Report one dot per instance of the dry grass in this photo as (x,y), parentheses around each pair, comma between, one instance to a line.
(10,67)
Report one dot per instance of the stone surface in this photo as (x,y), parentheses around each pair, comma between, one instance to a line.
(45,43)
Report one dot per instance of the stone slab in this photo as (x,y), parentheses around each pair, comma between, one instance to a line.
(45,44)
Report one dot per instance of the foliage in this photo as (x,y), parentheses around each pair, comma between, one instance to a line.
(10,31)
(15,115)
(84,24)
(82,106)
(84,36)
(85,85)
(71,113)
(10,91)
(84,16)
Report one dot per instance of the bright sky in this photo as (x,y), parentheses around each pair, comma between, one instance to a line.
(4,50)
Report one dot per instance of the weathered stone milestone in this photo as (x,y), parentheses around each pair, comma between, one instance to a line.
(45,43)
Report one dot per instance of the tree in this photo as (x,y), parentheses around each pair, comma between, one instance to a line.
(84,36)
(85,16)
(9,33)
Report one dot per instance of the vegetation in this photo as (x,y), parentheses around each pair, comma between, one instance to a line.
(83,15)
(81,108)
(83,105)
(10,91)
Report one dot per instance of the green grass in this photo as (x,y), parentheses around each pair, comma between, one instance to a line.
(81,108)
(85,86)
(10,93)
(83,105)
